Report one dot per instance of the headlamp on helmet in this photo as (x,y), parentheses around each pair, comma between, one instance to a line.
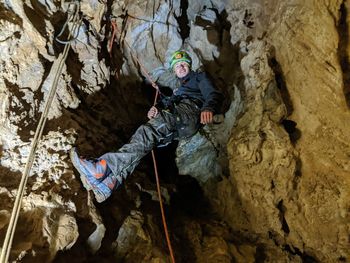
(180,56)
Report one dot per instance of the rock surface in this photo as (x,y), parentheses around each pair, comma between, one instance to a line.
(268,184)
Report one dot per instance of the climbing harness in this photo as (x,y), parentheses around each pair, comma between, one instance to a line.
(154,85)
(74,18)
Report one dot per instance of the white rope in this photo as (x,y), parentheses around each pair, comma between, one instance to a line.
(6,248)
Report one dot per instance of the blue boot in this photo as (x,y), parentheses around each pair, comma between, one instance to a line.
(91,172)
(96,176)
(104,189)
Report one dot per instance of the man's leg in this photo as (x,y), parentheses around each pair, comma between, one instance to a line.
(103,179)
(146,137)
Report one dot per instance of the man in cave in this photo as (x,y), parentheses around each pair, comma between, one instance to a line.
(191,105)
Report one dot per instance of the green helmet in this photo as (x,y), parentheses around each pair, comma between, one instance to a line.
(179,56)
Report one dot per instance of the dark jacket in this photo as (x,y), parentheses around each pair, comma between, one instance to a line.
(199,88)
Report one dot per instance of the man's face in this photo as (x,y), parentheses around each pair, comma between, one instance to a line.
(181,69)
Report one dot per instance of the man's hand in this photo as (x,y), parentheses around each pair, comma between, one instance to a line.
(153,112)
(206,117)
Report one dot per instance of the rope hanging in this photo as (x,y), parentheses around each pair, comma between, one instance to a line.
(6,248)
(115,28)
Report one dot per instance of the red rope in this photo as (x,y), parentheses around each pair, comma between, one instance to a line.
(115,28)
(162,209)
(110,46)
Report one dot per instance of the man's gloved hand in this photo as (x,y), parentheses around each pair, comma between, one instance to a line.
(153,112)
(206,117)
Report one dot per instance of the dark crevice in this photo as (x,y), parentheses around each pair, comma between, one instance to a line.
(275,237)
(272,185)
(343,51)
(190,207)
(11,180)
(10,16)
(281,84)
(289,125)
(260,255)
(248,19)
(292,130)
(282,218)
(114,58)
(225,26)
(306,258)
(183,21)
(297,174)
(36,17)
(75,72)
(189,198)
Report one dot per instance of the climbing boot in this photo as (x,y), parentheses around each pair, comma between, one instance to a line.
(91,172)
(104,189)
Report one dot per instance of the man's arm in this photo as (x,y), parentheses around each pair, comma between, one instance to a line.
(212,98)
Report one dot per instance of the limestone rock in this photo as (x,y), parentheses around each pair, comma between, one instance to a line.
(275,170)
(133,234)
(150,33)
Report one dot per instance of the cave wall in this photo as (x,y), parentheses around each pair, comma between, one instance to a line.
(317,85)
(293,188)
(276,170)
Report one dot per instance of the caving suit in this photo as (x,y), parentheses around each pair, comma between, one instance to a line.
(178,117)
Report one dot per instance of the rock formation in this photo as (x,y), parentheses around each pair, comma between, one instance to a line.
(269,184)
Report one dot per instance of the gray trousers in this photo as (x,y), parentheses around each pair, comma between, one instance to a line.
(164,128)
